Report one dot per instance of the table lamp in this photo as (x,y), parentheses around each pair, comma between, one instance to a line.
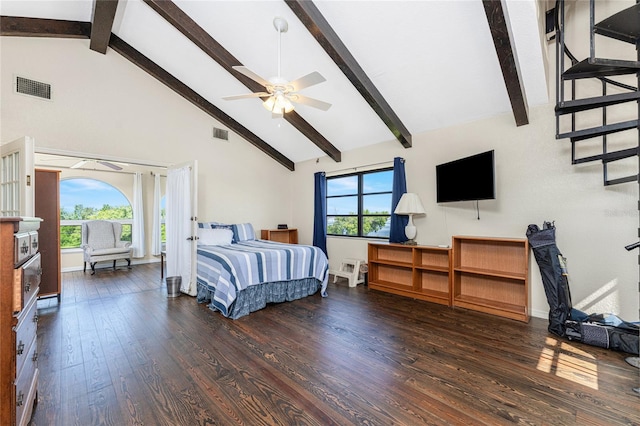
(409,205)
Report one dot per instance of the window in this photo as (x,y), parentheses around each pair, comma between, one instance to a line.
(359,204)
(83,199)
(163,218)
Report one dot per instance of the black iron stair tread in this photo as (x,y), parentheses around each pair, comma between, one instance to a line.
(623,26)
(626,179)
(584,69)
(593,132)
(609,157)
(568,107)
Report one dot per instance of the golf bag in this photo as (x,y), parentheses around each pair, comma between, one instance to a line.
(596,330)
(554,275)
(608,332)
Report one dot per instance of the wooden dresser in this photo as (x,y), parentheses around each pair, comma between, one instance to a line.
(19,286)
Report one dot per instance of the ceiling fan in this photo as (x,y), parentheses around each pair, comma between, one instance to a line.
(282,94)
(111,165)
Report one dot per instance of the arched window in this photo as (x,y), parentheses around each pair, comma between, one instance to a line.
(83,199)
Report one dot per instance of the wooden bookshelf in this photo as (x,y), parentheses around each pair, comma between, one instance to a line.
(421,272)
(491,275)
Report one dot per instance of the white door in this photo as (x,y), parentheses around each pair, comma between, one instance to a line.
(17,178)
(181,224)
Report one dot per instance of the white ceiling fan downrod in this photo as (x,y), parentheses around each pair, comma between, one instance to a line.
(281,26)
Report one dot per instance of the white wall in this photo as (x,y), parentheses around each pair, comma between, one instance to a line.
(535,182)
(103,104)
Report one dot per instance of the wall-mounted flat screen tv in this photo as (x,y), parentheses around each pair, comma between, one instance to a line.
(469,178)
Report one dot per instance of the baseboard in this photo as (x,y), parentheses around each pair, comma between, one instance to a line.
(539,314)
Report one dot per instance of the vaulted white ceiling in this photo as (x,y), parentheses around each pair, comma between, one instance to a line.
(434,62)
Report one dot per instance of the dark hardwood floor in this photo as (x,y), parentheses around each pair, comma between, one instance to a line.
(117,351)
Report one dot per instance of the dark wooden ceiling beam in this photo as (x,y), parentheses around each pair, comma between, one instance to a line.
(36,27)
(190,29)
(104,12)
(33,27)
(502,41)
(186,92)
(318,26)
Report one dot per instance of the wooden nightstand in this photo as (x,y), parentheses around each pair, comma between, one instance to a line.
(289,236)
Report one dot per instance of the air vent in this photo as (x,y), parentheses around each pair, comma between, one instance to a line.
(220,134)
(29,87)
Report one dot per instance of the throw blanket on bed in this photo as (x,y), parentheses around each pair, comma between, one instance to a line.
(231,268)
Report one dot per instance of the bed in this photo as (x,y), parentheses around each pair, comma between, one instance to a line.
(238,274)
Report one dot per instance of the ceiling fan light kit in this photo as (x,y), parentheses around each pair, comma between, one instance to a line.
(282,93)
(278,104)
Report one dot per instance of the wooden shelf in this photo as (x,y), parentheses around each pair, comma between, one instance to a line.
(420,272)
(433,268)
(484,274)
(289,236)
(491,275)
(392,263)
(482,271)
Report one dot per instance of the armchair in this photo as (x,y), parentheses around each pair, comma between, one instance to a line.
(101,242)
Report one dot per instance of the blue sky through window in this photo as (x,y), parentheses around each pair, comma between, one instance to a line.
(372,182)
(89,193)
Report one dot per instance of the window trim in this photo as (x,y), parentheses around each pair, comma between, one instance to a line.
(79,222)
(360,203)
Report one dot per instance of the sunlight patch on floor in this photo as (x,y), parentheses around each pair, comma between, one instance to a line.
(568,362)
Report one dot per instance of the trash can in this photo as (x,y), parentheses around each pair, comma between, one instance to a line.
(173,286)
(364,270)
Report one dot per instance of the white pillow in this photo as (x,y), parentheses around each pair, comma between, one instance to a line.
(214,237)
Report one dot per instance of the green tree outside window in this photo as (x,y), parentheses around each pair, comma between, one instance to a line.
(84,199)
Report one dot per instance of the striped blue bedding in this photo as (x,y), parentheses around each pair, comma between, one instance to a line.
(229,269)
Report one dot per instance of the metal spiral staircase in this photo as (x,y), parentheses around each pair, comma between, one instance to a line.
(615,78)
(584,132)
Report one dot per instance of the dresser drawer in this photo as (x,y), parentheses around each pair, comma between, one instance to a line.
(31,274)
(26,388)
(34,244)
(26,331)
(22,247)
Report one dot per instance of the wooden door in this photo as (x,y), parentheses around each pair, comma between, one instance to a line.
(47,207)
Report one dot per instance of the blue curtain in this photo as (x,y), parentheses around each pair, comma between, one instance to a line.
(320,212)
(398,223)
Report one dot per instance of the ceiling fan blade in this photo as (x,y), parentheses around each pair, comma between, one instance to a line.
(248,95)
(110,165)
(307,80)
(252,75)
(79,164)
(305,100)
